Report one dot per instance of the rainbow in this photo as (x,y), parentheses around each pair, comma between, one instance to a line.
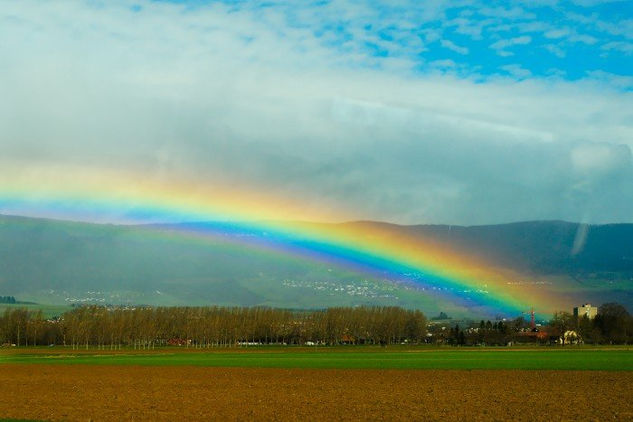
(259,220)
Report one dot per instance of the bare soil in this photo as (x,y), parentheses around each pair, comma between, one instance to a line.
(114,393)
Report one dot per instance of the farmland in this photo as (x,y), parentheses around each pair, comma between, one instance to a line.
(572,358)
(342,383)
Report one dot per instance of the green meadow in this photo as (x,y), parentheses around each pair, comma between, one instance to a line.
(609,359)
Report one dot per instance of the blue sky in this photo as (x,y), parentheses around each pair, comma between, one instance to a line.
(521,39)
(464,112)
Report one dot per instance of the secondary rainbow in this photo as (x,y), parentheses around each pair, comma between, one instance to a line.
(256,219)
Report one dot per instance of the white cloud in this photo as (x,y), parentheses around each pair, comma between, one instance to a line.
(501,45)
(453,47)
(600,158)
(241,99)
(583,38)
(592,3)
(443,64)
(556,73)
(470,26)
(511,13)
(612,79)
(517,71)
(533,26)
(504,53)
(522,40)
(623,27)
(557,33)
(555,50)
(621,46)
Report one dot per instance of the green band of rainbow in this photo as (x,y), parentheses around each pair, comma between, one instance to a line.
(365,248)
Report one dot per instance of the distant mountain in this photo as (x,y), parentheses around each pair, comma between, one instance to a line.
(539,247)
(65,262)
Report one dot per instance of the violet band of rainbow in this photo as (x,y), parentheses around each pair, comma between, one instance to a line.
(367,249)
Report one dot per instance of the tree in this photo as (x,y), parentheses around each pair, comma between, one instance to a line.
(614,323)
(561,322)
(587,330)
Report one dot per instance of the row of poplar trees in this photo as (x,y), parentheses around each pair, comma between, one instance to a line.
(148,327)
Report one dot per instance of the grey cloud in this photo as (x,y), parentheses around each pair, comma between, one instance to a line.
(211,105)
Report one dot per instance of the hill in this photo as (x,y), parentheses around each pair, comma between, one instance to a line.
(540,247)
(58,262)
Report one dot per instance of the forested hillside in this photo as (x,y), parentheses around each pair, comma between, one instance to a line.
(65,262)
(540,247)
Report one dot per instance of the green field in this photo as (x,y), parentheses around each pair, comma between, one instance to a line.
(610,359)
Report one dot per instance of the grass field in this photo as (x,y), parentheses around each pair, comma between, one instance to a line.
(609,359)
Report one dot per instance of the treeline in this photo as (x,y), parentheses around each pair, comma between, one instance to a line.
(7,299)
(113,328)
(498,333)
(612,325)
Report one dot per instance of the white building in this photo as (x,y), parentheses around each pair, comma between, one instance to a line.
(586,309)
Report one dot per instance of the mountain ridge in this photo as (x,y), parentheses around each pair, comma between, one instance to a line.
(131,266)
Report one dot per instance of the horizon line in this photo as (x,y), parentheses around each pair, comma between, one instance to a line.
(331,223)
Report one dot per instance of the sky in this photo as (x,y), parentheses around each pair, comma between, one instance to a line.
(461,112)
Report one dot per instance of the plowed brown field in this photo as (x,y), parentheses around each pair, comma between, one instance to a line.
(112,393)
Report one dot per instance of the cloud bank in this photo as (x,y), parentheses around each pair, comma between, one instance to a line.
(341,118)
